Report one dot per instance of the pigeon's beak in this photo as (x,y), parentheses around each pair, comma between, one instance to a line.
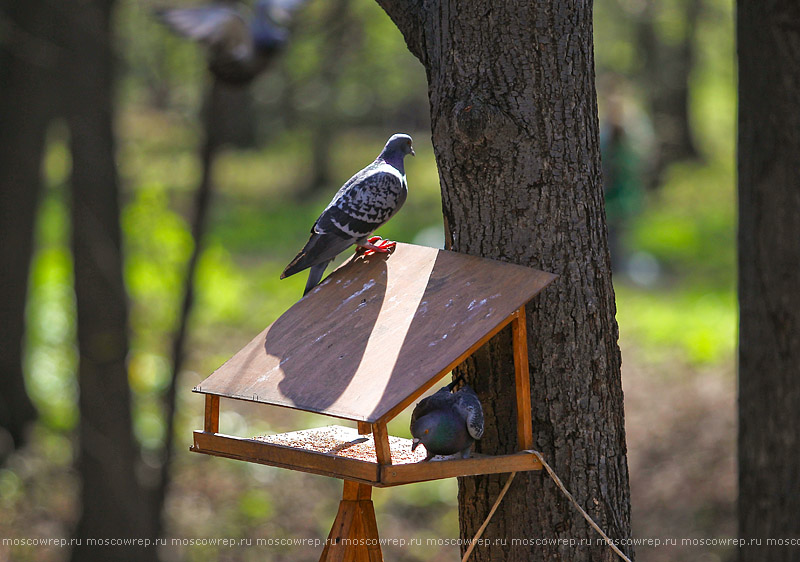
(414,443)
(412,152)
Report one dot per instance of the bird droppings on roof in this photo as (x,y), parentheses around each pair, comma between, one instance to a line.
(368,285)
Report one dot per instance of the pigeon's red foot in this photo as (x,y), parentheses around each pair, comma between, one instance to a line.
(376,245)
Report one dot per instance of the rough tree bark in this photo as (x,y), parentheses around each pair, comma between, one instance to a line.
(769,277)
(114,504)
(515,133)
(27,59)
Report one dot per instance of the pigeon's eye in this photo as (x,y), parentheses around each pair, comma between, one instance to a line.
(426,431)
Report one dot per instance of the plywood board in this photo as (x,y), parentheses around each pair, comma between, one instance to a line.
(273,454)
(394,475)
(377,333)
(340,452)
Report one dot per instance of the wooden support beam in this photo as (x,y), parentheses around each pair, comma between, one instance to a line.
(211,424)
(251,450)
(356,491)
(354,534)
(382,449)
(374,553)
(341,532)
(478,464)
(519,336)
(364,428)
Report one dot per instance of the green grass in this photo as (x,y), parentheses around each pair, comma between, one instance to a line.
(684,325)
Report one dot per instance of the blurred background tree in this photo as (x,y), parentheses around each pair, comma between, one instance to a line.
(115,502)
(769,300)
(344,83)
(27,61)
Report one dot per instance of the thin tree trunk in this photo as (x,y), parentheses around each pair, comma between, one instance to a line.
(769,277)
(27,59)
(515,134)
(114,504)
(336,30)
(227,118)
(212,111)
(667,69)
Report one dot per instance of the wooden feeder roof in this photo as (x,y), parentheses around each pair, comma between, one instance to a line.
(377,333)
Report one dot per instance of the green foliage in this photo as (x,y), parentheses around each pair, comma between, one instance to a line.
(51,358)
(713,86)
(689,224)
(158,243)
(683,326)
(256,505)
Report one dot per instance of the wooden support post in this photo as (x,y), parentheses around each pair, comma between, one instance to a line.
(364,428)
(519,336)
(382,449)
(341,533)
(354,535)
(356,491)
(211,424)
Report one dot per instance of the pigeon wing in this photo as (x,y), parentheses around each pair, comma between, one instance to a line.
(468,405)
(222,29)
(365,202)
(440,400)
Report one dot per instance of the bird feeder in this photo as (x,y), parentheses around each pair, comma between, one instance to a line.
(362,346)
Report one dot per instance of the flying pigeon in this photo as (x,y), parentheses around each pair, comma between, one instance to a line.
(365,202)
(447,422)
(238,49)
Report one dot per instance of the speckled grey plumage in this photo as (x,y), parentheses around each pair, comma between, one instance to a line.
(365,202)
(448,422)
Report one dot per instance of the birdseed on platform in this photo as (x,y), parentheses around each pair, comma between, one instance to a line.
(345,442)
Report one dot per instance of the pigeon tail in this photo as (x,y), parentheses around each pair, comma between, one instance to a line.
(320,248)
(452,385)
(315,275)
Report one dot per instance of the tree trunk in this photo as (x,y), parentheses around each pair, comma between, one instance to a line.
(667,70)
(515,134)
(27,58)
(114,504)
(337,31)
(213,116)
(769,277)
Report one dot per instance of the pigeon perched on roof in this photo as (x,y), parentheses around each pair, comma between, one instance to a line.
(447,422)
(365,202)
(239,47)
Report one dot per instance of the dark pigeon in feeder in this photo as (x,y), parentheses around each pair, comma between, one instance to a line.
(364,203)
(448,422)
(239,47)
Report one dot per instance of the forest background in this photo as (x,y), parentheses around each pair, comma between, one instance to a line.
(666,89)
